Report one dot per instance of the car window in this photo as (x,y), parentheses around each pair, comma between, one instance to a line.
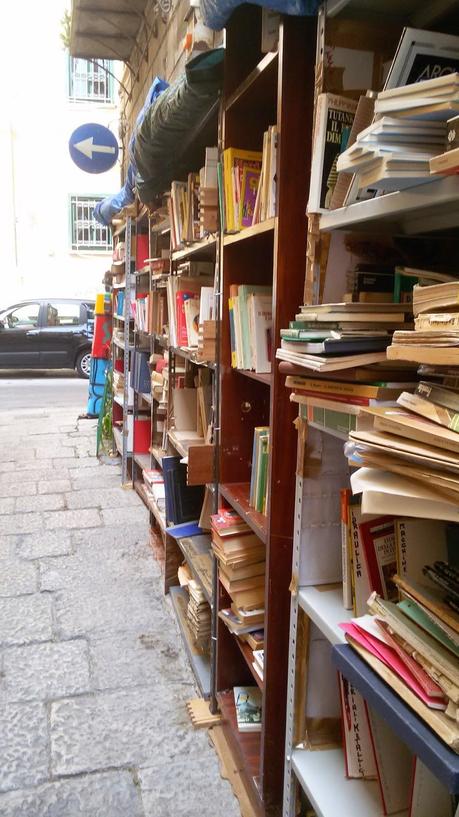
(22,316)
(62,314)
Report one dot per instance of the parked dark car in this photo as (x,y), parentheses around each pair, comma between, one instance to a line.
(48,333)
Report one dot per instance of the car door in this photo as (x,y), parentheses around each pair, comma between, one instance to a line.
(20,336)
(62,333)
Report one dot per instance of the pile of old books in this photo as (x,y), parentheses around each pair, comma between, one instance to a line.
(198,614)
(330,337)
(241,570)
(414,646)
(334,405)
(435,339)
(392,153)
(395,151)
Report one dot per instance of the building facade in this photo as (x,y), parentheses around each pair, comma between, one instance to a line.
(52,246)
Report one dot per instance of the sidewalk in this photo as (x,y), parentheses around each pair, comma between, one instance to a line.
(93,680)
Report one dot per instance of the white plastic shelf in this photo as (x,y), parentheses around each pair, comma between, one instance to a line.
(323,604)
(321,775)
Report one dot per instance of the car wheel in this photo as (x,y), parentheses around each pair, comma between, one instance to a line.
(83,364)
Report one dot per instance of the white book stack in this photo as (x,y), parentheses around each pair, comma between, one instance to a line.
(392,154)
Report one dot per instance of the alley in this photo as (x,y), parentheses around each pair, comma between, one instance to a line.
(93,678)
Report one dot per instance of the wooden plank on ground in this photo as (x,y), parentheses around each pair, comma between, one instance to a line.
(200,714)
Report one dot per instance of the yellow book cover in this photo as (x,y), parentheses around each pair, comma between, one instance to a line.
(236,157)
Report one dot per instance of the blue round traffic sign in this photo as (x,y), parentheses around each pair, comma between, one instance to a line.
(93,148)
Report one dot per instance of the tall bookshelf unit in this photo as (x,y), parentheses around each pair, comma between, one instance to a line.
(262,90)
(318,776)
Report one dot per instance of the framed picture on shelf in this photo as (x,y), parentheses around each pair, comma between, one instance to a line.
(423,55)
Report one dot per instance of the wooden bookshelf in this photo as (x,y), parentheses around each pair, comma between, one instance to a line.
(250,232)
(237,495)
(247,652)
(263,90)
(246,745)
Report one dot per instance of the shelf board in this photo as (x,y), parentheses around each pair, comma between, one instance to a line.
(121,345)
(261,377)
(158,454)
(423,742)
(205,248)
(324,606)
(248,656)
(260,83)
(182,445)
(321,775)
(265,227)
(146,397)
(190,354)
(200,662)
(142,460)
(120,401)
(118,437)
(150,503)
(431,206)
(246,744)
(237,494)
(118,318)
(192,548)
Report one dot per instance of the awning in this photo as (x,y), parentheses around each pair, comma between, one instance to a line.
(105,29)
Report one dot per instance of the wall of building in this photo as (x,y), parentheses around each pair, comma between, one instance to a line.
(38,176)
(160,52)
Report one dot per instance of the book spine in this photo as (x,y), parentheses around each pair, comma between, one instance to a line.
(232,334)
(345,494)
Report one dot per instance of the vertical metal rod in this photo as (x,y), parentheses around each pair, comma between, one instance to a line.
(216,439)
(127,312)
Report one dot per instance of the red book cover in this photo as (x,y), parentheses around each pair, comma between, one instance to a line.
(378,540)
(227,522)
(182,334)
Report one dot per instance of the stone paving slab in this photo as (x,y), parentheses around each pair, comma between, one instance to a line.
(93,674)
(17,577)
(24,619)
(44,543)
(41,672)
(109,794)
(24,759)
(88,518)
(122,728)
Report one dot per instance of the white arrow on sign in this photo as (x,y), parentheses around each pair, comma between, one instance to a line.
(87,147)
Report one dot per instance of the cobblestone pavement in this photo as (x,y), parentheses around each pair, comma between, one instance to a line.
(93,679)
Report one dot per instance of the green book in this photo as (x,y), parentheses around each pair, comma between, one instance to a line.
(263,467)
(416,613)
(336,421)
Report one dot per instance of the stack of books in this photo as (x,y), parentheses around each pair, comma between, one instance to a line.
(249,184)
(250,319)
(259,474)
(414,646)
(430,100)
(331,337)
(393,153)
(241,570)
(154,485)
(334,405)
(435,339)
(258,662)
(198,615)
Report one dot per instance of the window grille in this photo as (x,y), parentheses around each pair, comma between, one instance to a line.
(90,82)
(86,232)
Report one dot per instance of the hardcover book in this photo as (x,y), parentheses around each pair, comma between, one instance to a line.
(247,701)
(334,118)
